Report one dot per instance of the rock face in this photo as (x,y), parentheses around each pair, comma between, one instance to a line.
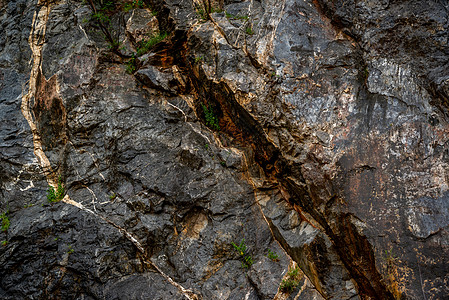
(187,140)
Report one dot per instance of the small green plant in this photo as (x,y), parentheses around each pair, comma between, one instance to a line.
(247,262)
(293,273)
(4,242)
(236,17)
(112,196)
(108,5)
(138,3)
(272,255)
(135,4)
(55,195)
(114,45)
(241,249)
(56,238)
(202,14)
(145,45)
(199,58)
(243,253)
(28,205)
(70,250)
(51,194)
(100,16)
(211,118)
(5,221)
(365,73)
(249,30)
(289,284)
(127,7)
(131,65)
(390,257)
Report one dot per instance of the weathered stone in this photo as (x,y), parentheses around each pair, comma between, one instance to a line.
(156,79)
(315,129)
(141,25)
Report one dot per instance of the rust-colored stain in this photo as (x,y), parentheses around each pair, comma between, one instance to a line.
(46,92)
(226,121)
(165,58)
(302,216)
(222,251)
(49,112)
(393,277)
(194,225)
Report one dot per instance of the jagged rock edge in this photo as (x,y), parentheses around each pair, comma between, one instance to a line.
(271,160)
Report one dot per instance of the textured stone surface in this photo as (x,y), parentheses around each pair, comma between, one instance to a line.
(332,149)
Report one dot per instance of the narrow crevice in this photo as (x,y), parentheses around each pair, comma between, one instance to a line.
(235,121)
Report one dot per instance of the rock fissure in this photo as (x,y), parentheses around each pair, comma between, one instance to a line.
(314,131)
(275,166)
(371,287)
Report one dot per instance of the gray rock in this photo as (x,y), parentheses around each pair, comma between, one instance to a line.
(332,150)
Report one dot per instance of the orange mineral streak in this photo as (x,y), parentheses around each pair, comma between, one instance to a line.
(36,42)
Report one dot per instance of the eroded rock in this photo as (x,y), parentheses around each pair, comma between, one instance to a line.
(331,150)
